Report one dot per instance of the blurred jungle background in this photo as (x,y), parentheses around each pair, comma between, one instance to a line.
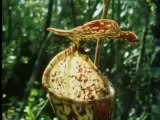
(27,48)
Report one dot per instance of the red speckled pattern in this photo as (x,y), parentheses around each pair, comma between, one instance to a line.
(81,90)
(76,77)
(96,30)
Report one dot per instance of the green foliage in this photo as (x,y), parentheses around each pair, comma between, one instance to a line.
(133,69)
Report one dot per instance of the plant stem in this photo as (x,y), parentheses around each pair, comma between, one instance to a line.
(105,8)
(42,108)
(99,42)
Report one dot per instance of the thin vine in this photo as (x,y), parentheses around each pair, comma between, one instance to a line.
(99,42)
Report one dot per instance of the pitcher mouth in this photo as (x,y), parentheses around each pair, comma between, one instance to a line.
(67,99)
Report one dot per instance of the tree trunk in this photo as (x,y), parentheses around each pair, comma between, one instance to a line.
(38,62)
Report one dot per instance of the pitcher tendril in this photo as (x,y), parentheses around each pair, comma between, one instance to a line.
(96,30)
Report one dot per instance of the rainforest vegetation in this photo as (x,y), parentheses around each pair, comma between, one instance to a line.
(27,48)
